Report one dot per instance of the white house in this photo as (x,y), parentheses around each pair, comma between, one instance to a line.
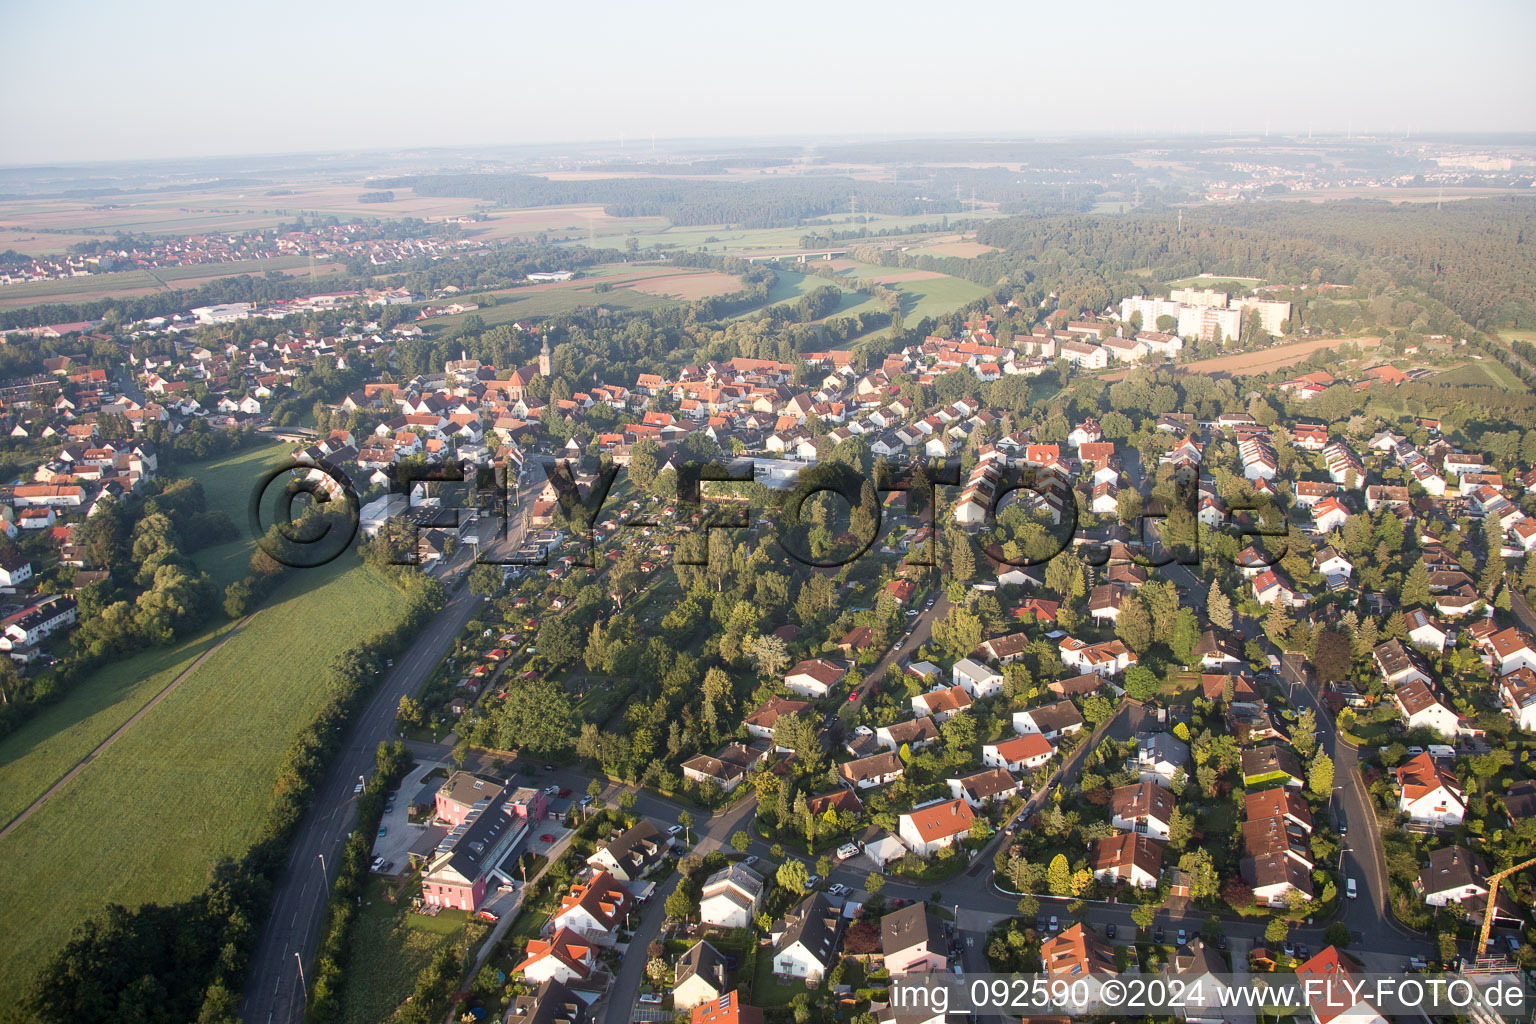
(731,897)
(1018,754)
(927,830)
(978,680)
(1428,795)
(814,678)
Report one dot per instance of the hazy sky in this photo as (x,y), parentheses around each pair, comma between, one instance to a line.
(92,80)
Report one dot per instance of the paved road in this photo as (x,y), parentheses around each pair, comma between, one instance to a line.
(273,994)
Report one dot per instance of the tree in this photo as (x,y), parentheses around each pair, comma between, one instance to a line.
(1204,881)
(1304,733)
(1134,626)
(1415,590)
(1141,683)
(1276,931)
(770,654)
(1181,828)
(740,841)
(680,904)
(1186,634)
(1058,877)
(1320,777)
(686,820)
(793,876)
(594,789)
(1333,657)
(1218,607)
(874,882)
(1277,623)
(1143,915)
(409,712)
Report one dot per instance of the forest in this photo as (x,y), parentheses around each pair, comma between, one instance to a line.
(761,203)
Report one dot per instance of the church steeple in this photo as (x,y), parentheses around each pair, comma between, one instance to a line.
(544,360)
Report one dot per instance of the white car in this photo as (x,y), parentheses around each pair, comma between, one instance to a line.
(675,830)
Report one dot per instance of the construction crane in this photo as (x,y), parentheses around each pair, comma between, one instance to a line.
(1493,895)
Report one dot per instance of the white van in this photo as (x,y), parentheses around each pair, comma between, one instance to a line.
(1350,889)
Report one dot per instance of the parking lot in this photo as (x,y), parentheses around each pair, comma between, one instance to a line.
(399,834)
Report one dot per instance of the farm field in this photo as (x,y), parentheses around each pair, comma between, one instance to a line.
(1211,282)
(129,283)
(191,781)
(962,250)
(688,287)
(547,303)
(1244,364)
(1485,373)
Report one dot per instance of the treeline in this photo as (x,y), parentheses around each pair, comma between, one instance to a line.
(1475,256)
(170,964)
(760,203)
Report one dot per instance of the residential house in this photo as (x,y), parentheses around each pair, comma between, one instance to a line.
(1022,753)
(1454,874)
(927,830)
(699,977)
(731,897)
(978,680)
(912,941)
(993,785)
(814,678)
(805,942)
(942,704)
(1128,857)
(1270,763)
(1144,808)
(1049,720)
(1428,794)
(868,772)
(630,856)
(595,909)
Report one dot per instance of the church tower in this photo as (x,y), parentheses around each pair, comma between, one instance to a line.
(544,368)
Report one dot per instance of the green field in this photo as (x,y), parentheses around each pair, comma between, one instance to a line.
(48,746)
(1486,373)
(552,302)
(1212,282)
(192,780)
(129,280)
(40,752)
(227,483)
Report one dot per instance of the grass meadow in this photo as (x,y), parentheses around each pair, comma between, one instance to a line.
(191,781)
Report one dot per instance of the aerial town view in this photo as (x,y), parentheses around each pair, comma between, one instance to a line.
(680,514)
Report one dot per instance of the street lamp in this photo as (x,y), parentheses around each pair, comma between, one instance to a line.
(302,983)
(323,877)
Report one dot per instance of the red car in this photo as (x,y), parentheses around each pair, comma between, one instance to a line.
(565,793)
(854,696)
(547,837)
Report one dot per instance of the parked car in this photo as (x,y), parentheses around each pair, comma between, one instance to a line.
(1157,935)
(383,831)
(564,793)
(1183,938)
(1109,930)
(378,862)
(1055,925)
(812,881)
(1351,890)
(847,850)
(674,830)
(547,837)
(750,860)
